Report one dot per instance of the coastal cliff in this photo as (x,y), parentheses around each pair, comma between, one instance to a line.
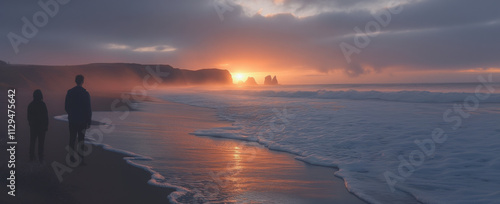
(109,76)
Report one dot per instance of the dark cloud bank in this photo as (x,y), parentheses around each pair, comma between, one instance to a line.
(421,35)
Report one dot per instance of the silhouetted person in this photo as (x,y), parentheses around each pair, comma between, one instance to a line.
(77,106)
(39,122)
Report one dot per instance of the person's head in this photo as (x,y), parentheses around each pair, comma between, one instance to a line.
(79,79)
(37,95)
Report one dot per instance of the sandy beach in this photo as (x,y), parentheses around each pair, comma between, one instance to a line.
(106,178)
(217,170)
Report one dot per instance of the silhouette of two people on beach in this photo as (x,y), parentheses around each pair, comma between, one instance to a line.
(77,105)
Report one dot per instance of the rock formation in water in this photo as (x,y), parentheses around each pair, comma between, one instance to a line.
(250,81)
(275,80)
(270,81)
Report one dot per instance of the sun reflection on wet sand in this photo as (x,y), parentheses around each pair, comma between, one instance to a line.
(221,170)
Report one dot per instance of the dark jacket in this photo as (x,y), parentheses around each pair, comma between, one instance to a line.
(77,106)
(38,117)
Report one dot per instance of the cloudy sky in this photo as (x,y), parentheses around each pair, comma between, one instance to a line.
(303,41)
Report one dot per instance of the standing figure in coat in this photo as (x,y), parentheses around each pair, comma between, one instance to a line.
(77,106)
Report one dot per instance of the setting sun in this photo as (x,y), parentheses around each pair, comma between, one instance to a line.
(238,77)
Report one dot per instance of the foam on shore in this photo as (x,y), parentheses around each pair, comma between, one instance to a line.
(364,133)
(130,157)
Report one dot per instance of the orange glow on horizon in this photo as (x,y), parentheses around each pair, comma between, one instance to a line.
(240,73)
(482,70)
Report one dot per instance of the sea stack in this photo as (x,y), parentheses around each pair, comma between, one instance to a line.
(250,81)
(270,81)
(275,80)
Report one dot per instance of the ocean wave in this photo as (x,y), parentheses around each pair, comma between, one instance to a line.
(366,133)
(397,96)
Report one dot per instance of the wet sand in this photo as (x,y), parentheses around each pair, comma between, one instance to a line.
(106,178)
(217,169)
(244,171)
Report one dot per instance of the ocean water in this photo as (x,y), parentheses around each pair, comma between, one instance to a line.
(210,169)
(436,143)
(391,143)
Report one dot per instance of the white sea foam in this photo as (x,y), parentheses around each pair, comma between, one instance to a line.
(156,178)
(398,96)
(362,133)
